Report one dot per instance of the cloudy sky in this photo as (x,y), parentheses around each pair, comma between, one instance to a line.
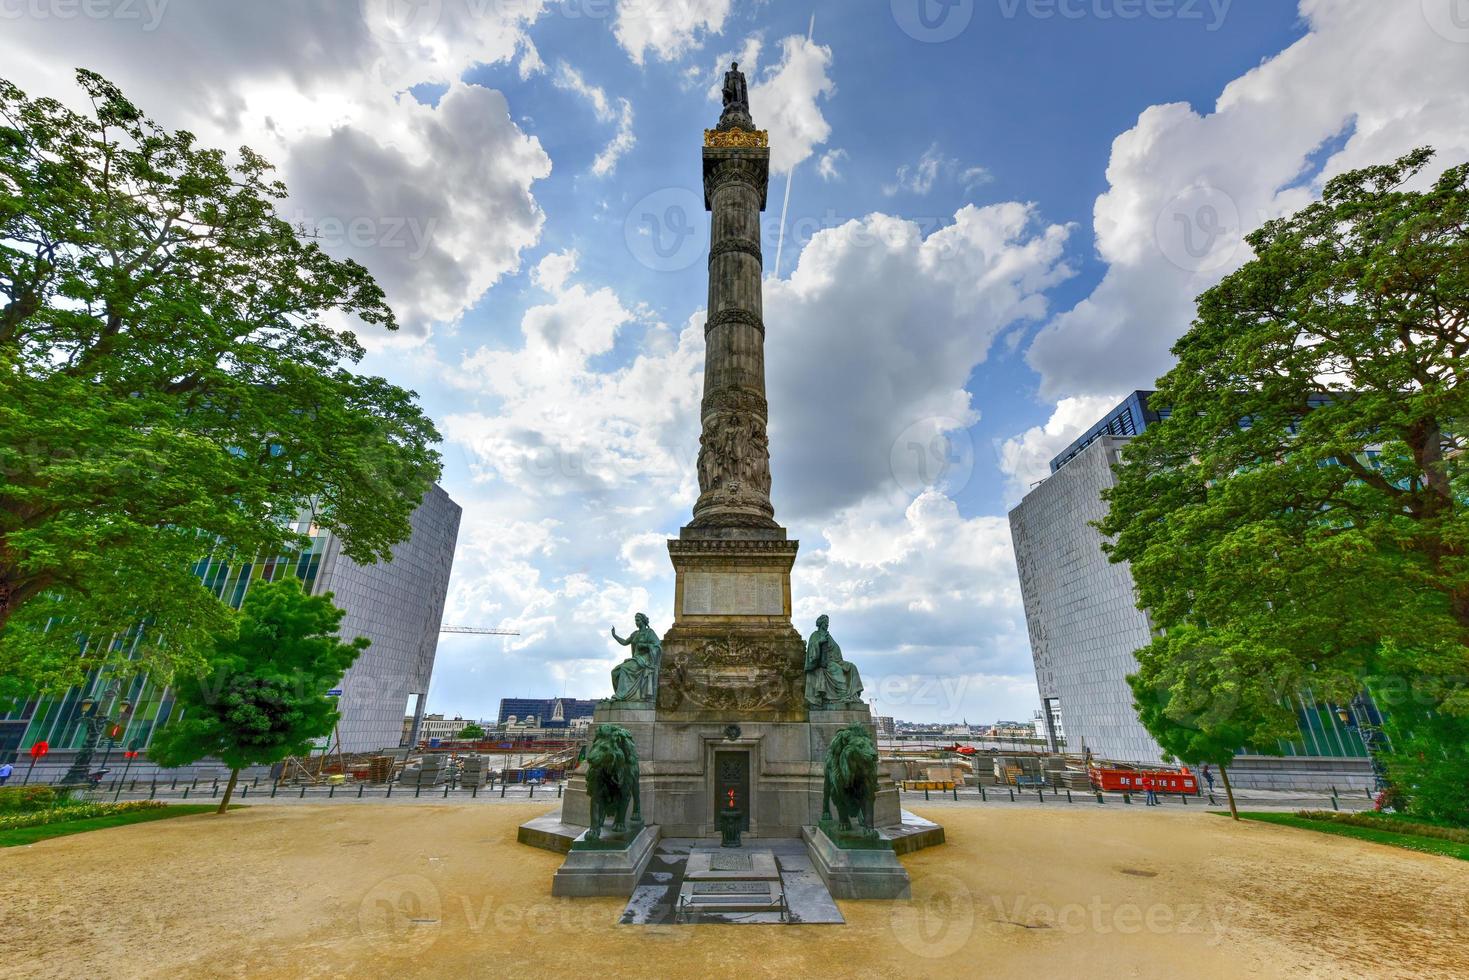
(999,213)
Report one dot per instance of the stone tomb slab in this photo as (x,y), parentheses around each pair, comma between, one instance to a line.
(731,865)
(724,896)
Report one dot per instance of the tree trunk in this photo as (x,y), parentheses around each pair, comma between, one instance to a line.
(229,790)
(1224,774)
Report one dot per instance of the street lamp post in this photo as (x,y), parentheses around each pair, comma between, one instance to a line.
(96,719)
(1359,716)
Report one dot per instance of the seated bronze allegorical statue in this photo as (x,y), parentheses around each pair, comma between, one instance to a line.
(636,678)
(831,682)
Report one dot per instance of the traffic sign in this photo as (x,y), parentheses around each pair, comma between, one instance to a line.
(40,749)
(335,692)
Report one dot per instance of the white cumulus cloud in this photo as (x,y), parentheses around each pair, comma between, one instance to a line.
(668,28)
(1370,81)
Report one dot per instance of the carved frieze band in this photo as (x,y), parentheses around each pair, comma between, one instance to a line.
(731,172)
(745,400)
(726,245)
(725,317)
(722,546)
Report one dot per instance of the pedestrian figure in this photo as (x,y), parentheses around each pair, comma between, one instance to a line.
(1209,777)
(5,772)
(1152,797)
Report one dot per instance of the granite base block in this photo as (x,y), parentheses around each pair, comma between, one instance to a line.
(602,872)
(856,874)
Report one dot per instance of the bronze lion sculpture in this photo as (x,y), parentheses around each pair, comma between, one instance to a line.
(851,778)
(612,779)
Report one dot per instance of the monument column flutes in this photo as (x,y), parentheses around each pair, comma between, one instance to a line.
(734,451)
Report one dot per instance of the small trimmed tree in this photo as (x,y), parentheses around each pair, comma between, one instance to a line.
(262,696)
(471,730)
(1197,720)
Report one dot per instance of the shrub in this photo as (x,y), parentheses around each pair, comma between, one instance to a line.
(1373,821)
(26,799)
(73,811)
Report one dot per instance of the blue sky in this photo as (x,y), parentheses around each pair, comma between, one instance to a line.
(996,227)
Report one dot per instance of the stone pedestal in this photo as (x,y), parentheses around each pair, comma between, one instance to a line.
(868,872)
(604,870)
(677,759)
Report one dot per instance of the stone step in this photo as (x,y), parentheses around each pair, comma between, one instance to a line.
(730,896)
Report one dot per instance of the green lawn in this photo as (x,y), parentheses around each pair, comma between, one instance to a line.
(29,835)
(1412,842)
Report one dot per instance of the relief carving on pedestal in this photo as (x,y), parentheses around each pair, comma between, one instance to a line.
(729,673)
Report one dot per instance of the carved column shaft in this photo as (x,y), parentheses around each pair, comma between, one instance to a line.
(734,453)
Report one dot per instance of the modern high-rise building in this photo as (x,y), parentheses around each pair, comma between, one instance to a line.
(397,604)
(1084,623)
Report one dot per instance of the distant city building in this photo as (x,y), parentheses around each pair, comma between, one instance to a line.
(439,727)
(1084,623)
(398,605)
(545,713)
(886,726)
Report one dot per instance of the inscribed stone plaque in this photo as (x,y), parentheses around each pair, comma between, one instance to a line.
(730,862)
(731,888)
(733,594)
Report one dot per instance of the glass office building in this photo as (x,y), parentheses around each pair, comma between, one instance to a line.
(1084,624)
(397,604)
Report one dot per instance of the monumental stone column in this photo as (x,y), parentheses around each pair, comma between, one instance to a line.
(734,453)
(732,653)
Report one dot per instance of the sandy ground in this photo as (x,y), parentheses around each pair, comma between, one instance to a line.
(445,891)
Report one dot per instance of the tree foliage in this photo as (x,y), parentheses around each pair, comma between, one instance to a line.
(1302,517)
(471,730)
(262,694)
(174,380)
(1215,737)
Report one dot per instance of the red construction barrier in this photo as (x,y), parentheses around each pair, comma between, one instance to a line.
(1122,780)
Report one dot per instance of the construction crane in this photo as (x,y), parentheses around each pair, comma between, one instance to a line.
(478,631)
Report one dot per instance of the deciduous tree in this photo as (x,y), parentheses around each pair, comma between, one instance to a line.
(262,695)
(1302,517)
(174,382)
